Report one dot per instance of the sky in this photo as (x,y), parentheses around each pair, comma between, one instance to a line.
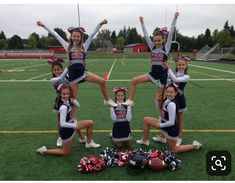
(193,20)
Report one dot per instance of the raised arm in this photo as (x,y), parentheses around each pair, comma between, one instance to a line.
(91,36)
(146,35)
(170,35)
(55,34)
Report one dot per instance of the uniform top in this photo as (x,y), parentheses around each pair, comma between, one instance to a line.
(65,114)
(180,79)
(120,113)
(158,55)
(169,108)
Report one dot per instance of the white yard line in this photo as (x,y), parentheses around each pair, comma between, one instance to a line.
(111,68)
(39,76)
(209,68)
(32,66)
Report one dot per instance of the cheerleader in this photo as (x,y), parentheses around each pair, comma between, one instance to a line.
(159,54)
(180,79)
(76,50)
(121,117)
(168,124)
(68,125)
(57,70)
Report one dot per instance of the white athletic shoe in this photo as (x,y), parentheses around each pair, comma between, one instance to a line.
(41,150)
(196,144)
(128,103)
(111,135)
(179,141)
(83,141)
(110,103)
(92,144)
(59,142)
(159,139)
(143,142)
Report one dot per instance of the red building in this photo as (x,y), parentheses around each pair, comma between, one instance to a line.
(137,47)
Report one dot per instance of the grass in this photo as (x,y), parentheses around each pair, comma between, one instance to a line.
(28,106)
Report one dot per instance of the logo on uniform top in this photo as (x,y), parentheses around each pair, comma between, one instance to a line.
(218,163)
(157,56)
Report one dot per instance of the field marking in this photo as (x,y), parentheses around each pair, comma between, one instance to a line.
(209,68)
(111,80)
(39,76)
(106,131)
(217,77)
(26,67)
(111,68)
(214,69)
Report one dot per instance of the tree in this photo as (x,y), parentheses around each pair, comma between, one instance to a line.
(120,42)
(225,39)
(2,36)
(113,37)
(33,41)
(15,42)
(133,36)
(103,35)
(3,43)
(207,36)
(201,41)
(232,32)
(226,26)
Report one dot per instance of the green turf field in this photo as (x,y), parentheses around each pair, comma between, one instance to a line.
(27,121)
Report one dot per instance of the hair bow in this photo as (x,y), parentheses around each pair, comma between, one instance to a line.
(185,58)
(80,29)
(116,89)
(164,30)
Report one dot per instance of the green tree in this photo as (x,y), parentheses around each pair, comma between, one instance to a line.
(2,35)
(15,42)
(3,43)
(120,42)
(33,41)
(226,25)
(225,39)
(103,35)
(113,37)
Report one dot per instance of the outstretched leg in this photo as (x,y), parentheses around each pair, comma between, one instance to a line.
(135,81)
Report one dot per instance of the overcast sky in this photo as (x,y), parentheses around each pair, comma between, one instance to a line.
(193,20)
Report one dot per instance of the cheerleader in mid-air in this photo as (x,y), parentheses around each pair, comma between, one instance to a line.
(77,50)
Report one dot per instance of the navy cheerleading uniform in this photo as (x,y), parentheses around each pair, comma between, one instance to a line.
(77,71)
(180,79)
(168,124)
(121,117)
(158,73)
(67,124)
